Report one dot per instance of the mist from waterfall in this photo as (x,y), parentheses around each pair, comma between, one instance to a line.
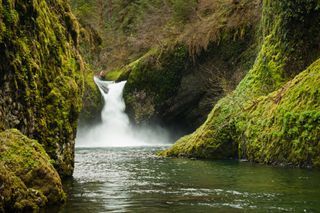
(115,129)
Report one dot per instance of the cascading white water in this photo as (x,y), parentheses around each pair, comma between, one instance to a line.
(115,129)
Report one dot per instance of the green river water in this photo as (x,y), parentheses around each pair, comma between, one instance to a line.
(134,179)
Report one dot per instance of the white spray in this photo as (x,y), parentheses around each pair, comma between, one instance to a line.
(115,129)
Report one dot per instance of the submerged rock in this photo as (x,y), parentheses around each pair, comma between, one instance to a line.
(28,181)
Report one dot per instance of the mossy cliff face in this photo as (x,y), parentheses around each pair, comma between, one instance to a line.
(280,127)
(40,75)
(28,180)
(153,80)
(284,126)
(179,85)
(92,101)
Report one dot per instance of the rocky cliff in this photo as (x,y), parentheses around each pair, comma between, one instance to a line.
(179,83)
(41,79)
(41,87)
(273,115)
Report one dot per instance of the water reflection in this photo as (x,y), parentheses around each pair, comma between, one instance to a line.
(135,180)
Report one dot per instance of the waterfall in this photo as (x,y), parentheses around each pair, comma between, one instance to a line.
(115,129)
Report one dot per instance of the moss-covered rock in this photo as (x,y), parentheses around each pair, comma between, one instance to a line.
(213,74)
(92,101)
(179,84)
(90,45)
(28,181)
(253,122)
(153,80)
(284,126)
(41,80)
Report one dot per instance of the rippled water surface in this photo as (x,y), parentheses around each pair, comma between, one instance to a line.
(135,180)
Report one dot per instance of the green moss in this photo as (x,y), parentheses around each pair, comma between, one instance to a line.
(29,180)
(15,196)
(159,73)
(113,75)
(41,73)
(289,121)
(123,73)
(154,79)
(217,51)
(92,100)
(255,123)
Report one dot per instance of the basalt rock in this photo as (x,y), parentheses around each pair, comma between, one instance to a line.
(41,79)
(273,115)
(178,84)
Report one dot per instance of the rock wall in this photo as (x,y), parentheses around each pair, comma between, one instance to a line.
(153,81)
(41,80)
(273,115)
(90,43)
(178,84)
